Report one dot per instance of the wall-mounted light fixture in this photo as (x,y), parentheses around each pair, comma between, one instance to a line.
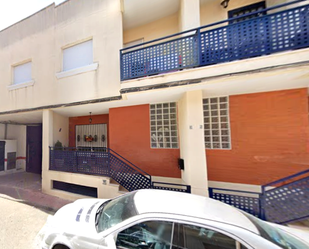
(90,119)
(225,3)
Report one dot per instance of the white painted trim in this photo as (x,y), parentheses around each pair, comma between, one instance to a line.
(79,70)
(20,85)
(235,186)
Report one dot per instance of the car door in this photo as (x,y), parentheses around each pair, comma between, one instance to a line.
(158,234)
(195,237)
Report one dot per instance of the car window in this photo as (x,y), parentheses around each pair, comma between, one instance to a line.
(115,211)
(276,235)
(194,237)
(150,234)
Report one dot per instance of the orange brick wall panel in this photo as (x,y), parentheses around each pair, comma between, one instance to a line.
(130,137)
(270,138)
(96,119)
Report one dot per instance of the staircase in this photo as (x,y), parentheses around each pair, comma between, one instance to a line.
(108,163)
(286,200)
(303,224)
(283,201)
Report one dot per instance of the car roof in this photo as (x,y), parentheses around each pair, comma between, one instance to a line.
(171,202)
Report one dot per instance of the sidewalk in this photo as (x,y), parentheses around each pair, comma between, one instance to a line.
(26,188)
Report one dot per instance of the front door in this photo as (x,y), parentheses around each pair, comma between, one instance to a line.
(34,149)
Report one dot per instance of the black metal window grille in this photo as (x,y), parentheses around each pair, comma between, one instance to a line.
(246,10)
(97,133)
(216,123)
(163,125)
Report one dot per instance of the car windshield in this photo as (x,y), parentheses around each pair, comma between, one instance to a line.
(276,235)
(115,211)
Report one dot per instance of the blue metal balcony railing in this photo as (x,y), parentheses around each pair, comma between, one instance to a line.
(211,44)
(106,162)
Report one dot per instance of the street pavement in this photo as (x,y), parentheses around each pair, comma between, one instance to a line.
(21,224)
(27,187)
(24,210)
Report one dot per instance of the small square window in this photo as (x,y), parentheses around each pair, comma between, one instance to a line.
(78,56)
(22,73)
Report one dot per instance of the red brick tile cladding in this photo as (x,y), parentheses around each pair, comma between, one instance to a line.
(96,119)
(270,138)
(130,137)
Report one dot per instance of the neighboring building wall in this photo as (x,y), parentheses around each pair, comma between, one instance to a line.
(2,131)
(41,39)
(18,133)
(154,30)
(270,138)
(129,129)
(96,119)
(30,39)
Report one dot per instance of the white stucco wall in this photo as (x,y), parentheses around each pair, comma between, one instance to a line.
(189,14)
(60,129)
(192,148)
(40,39)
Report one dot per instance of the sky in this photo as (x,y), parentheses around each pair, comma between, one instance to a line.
(12,11)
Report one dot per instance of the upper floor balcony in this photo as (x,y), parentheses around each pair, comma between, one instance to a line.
(262,31)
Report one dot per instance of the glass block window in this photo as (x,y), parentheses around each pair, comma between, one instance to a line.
(163,125)
(216,123)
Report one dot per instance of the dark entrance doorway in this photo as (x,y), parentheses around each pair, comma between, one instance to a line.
(2,156)
(34,149)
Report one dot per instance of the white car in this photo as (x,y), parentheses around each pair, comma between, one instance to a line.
(161,219)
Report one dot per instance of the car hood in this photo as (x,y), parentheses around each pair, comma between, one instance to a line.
(76,218)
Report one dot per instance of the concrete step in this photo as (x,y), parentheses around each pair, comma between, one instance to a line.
(302,224)
(121,188)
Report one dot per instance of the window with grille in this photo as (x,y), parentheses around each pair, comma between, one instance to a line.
(246,10)
(216,123)
(163,125)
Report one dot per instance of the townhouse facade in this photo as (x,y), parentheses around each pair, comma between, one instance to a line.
(185,94)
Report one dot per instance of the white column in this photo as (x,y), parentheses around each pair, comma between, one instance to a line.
(47,141)
(192,147)
(189,15)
